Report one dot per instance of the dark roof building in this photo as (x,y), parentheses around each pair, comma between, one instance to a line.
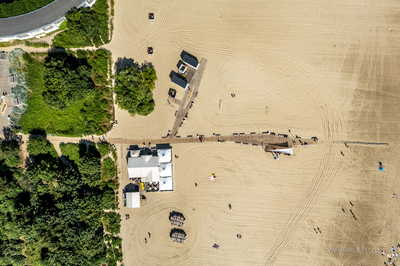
(179,80)
(190,61)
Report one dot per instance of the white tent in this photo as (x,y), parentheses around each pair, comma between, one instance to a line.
(145,167)
(165,169)
(133,199)
(166,184)
(287,151)
(165,156)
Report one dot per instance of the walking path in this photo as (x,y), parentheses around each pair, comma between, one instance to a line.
(246,139)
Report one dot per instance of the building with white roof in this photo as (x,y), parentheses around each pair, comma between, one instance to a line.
(152,166)
(133,199)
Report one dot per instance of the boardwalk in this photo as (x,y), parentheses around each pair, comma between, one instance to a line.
(244,139)
(190,93)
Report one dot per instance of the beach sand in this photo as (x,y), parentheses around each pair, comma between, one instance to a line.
(323,68)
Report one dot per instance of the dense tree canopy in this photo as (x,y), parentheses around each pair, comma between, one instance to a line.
(50,215)
(134,89)
(85,27)
(66,81)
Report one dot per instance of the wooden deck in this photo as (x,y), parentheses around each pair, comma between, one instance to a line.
(174,100)
(243,139)
(188,97)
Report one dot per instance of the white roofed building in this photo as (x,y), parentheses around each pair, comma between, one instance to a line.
(166,184)
(144,167)
(152,166)
(165,169)
(165,155)
(133,199)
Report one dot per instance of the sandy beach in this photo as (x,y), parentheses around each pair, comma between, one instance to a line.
(323,68)
(326,69)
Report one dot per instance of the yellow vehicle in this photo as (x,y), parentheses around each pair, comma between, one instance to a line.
(3,105)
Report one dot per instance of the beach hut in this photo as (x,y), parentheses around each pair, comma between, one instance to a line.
(180,81)
(190,61)
(133,199)
(182,69)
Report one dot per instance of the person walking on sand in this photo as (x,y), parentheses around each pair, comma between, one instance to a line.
(342,153)
(149,234)
(343,210)
(195,184)
(230,206)
(145,240)
(315,231)
(319,230)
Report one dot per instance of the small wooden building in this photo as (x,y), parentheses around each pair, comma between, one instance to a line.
(190,61)
(180,81)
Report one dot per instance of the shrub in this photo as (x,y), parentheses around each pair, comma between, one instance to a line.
(111,222)
(70,151)
(85,27)
(108,169)
(37,44)
(41,145)
(134,90)
(103,148)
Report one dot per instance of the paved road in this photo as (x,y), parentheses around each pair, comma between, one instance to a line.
(5,87)
(36,19)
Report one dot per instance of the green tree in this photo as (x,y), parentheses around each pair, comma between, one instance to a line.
(111,222)
(89,167)
(134,90)
(41,145)
(66,81)
(85,27)
(104,148)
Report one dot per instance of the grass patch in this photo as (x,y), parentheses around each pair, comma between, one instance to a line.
(63,25)
(37,44)
(57,103)
(11,43)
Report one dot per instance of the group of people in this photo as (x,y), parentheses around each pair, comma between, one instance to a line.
(391,256)
(317,231)
(127,216)
(239,236)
